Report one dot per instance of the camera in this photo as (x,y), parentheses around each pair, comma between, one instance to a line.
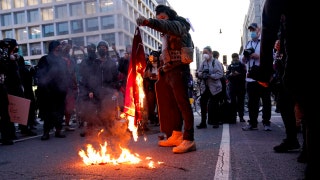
(205,74)
(7,46)
(247,52)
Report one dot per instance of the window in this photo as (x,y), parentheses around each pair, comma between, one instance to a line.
(90,7)
(21,34)
(93,39)
(19,17)
(110,37)
(5,4)
(6,20)
(62,28)
(61,11)
(7,34)
(76,9)
(76,26)
(35,49)
(79,41)
(34,32)
(46,1)
(92,24)
(107,22)
(47,14)
(23,49)
(47,30)
(18,3)
(32,2)
(33,15)
(106,5)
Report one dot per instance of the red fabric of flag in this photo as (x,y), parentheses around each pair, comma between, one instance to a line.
(137,64)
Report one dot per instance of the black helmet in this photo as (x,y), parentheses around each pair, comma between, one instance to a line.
(103,43)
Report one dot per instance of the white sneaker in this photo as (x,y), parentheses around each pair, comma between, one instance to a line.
(185,146)
(267,128)
(174,140)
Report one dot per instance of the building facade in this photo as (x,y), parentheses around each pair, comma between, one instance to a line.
(34,23)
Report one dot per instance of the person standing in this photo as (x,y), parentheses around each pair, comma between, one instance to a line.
(99,87)
(52,88)
(210,72)
(236,75)
(72,89)
(27,75)
(174,107)
(150,77)
(299,77)
(257,82)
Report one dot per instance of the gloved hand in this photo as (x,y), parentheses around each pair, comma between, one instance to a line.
(142,21)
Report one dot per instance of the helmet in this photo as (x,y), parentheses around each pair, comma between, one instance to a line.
(103,43)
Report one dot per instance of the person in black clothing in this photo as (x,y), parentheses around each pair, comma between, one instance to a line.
(99,88)
(86,105)
(27,75)
(300,77)
(52,86)
(149,79)
(236,75)
(6,125)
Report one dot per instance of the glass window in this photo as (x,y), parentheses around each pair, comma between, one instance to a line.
(21,34)
(7,34)
(47,30)
(6,20)
(76,9)
(35,49)
(92,24)
(23,49)
(5,4)
(106,5)
(32,2)
(46,1)
(19,17)
(62,28)
(93,39)
(33,15)
(78,41)
(61,11)
(18,3)
(34,32)
(109,37)
(90,7)
(47,14)
(107,22)
(76,26)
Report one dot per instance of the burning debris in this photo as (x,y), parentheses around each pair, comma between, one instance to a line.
(131,116)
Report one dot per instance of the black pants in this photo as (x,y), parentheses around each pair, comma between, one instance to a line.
(256,92)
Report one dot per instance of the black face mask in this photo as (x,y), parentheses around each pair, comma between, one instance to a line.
(92,54)
(102,52)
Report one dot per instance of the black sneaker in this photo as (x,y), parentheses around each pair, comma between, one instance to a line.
(286,146)
(201,126)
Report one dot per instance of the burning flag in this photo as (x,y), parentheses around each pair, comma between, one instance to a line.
(134,95)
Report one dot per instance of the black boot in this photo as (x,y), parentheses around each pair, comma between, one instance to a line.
(45,136)
(202,126)
(58,134)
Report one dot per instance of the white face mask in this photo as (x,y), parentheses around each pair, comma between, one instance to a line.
(205,56)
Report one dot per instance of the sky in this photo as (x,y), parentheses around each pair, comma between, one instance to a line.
(208,17)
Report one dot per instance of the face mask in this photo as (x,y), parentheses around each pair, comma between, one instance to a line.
(253,34)
(102,52)
(205,56)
